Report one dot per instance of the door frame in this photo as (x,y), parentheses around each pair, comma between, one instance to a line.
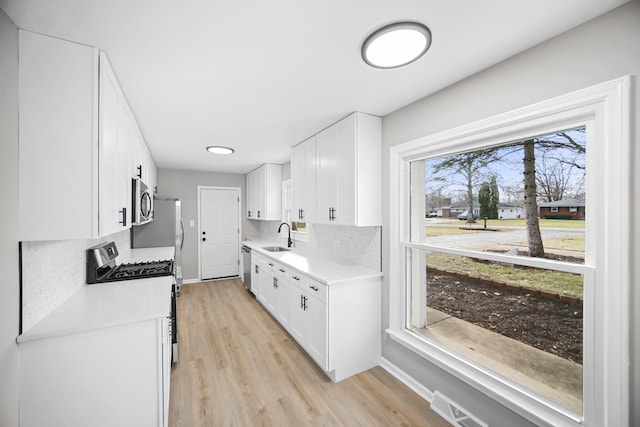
(212,187)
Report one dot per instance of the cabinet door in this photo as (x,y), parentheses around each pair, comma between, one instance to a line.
(114,205)
(326,175)
(303,173)
(344,135)
(316,337)
(252,202)
(260,183)
(284,308)
(263,282)
(297,315)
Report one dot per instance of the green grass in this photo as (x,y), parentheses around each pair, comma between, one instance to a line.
(556,282)
(544,223)
(567,243)
(446,231)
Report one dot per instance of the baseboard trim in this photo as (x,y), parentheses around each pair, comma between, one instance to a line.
(407,380)
(189,281)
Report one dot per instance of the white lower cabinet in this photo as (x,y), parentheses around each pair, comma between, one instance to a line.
(273,288)
(338,325)
(308,323)
(112,376)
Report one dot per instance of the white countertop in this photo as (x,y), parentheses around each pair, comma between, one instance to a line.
(318,266)
(105,305)
(110,304)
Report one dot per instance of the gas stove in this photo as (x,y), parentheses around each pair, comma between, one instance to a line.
(101,266)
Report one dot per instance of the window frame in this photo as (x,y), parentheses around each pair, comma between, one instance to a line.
(554,209)
(605,110)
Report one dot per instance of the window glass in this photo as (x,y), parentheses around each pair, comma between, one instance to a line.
(499,286)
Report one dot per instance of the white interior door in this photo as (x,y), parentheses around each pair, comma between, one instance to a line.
(219,233)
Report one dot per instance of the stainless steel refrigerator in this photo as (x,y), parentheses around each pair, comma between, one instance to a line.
(166,229)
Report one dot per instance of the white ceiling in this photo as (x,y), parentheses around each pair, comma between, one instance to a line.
(261,76)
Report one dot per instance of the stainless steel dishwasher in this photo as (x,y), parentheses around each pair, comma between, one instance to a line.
(246,266)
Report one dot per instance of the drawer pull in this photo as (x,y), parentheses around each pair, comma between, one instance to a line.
(270,265)
(315,288)
(281,270)
(295,278)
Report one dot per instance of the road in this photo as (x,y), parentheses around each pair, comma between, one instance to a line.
(505,236)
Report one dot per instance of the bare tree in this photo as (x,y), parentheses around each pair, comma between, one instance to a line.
(469,166)
(534,237)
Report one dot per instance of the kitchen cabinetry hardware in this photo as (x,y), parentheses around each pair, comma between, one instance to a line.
(282,270)
(248,214)
(204,239)
(124,217)
(295,277)
(304,303)
(139,168)
(315,288)
(275,282)
(270,264)
(257,269)
(258,214)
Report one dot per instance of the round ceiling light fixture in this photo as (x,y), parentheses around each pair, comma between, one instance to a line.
(396,45)
(219,149)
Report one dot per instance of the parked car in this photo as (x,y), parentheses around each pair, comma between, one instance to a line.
(432,214)
(465,215)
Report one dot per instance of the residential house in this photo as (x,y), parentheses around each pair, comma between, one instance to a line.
(563,209)
(452,210)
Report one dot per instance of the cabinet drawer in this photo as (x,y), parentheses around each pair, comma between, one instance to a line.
(309,285)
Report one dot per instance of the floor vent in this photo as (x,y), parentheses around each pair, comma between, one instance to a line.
(453,413)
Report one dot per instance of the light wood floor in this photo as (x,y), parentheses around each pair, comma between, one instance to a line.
(238,367)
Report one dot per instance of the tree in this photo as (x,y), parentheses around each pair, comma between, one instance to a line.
(470,167)
(560,169)
(534,237)
(567,151)
(488,198)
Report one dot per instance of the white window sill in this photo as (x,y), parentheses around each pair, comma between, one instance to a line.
(521,401)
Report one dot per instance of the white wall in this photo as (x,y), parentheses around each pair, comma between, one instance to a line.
(597,51)
(9,285)
(184,184)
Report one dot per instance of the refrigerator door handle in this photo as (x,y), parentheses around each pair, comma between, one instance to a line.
(181,234)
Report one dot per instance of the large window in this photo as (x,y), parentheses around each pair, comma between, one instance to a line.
(528,308)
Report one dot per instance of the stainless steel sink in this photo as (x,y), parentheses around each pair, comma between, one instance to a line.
(275,249)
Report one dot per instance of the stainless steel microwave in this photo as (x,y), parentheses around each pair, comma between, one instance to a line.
(141,203)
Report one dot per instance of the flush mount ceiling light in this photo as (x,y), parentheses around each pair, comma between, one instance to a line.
(396,45)
(218,149)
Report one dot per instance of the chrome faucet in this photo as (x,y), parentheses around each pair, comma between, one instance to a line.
(289,241)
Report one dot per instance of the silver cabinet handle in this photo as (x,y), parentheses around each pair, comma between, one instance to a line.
(315,288)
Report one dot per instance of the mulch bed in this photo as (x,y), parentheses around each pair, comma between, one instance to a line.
(551,325)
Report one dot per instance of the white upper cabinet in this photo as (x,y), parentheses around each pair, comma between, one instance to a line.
(142,164)
(303,174)
(75,137)
(348,168)
(114,188)
(264,193)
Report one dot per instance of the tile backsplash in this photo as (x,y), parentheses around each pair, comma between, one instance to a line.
(351,245)
(52,271)
(347,244)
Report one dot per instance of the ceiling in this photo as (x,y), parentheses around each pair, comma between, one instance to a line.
(262,76)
